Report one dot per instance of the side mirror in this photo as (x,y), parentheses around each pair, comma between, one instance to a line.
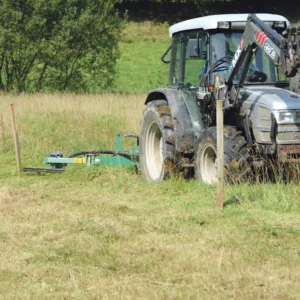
(166,58)
(194,48)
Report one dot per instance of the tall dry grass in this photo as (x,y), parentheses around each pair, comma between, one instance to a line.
(67,122)
(71,123)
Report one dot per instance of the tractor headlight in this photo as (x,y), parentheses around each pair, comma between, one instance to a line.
(286,116)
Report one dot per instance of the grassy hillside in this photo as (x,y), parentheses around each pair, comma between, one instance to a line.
(140,68)
(96,232)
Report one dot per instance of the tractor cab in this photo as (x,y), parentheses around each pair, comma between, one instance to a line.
(206,46)
(248,62)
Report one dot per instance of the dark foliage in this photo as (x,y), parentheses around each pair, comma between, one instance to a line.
(57,44)
(177,10)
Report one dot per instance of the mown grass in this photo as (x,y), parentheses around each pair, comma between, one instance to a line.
(99,232)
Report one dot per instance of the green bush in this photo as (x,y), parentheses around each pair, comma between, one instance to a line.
(58,45)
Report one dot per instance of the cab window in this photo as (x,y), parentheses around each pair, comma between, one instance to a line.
(184,68)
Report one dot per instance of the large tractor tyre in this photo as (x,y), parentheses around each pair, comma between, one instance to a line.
(157,142)
(236,156)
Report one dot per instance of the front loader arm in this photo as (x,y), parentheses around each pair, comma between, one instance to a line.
(283,52)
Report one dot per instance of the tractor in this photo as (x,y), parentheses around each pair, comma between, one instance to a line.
(251,63)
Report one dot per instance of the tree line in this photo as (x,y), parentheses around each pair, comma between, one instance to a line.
(176,10)
(58,45)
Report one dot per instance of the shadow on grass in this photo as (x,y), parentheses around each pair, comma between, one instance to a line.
(234,200)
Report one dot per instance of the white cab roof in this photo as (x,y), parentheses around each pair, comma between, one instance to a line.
(211,22)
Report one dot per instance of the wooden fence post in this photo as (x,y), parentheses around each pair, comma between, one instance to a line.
(16,139)
(220,155)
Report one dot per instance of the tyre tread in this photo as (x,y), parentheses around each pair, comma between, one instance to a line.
(163,112)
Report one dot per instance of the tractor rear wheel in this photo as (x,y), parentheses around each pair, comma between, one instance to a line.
(157,146)
(236,156)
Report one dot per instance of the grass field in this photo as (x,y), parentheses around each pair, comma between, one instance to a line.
(99,232)
(140,68)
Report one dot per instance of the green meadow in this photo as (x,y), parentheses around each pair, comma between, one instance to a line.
(102,233)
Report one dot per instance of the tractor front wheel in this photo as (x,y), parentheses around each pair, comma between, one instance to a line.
(236,156)
(157,147)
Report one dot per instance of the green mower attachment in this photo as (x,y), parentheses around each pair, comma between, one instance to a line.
(117,157)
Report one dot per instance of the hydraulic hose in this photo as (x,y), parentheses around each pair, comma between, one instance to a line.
(111,152)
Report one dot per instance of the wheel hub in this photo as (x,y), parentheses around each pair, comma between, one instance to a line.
(209,165)
(154,151)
